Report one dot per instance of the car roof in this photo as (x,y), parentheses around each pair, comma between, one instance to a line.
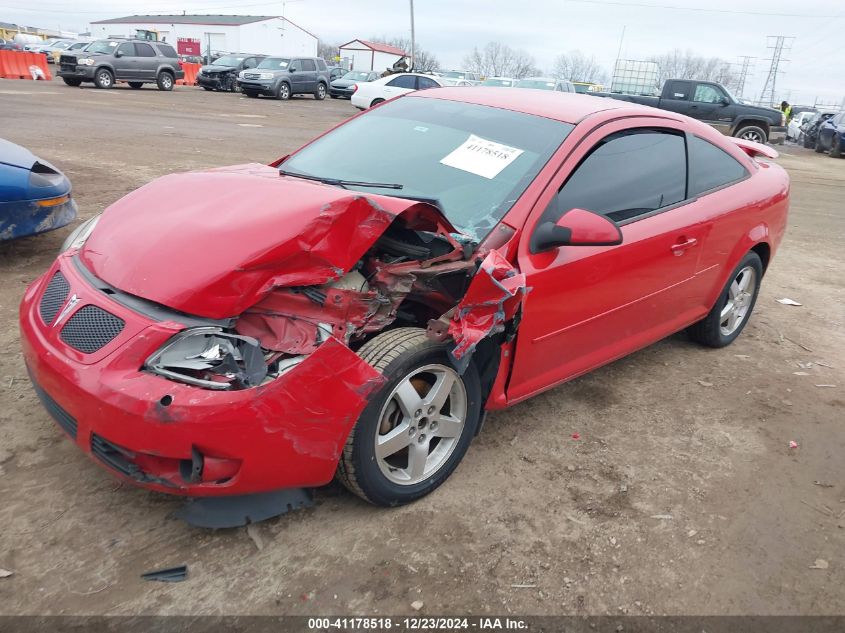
(567,107)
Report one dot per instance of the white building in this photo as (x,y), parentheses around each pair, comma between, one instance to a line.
(267,35)
(364,55)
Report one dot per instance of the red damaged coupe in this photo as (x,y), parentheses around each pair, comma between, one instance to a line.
(353,310)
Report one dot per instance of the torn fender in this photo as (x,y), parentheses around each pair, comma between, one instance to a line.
(491,300)
(214,243)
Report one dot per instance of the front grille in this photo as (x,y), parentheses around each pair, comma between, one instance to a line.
(91,328)
(252,76)
(67,59)
(62,417)
(68,68)
(114,456)
(53,298)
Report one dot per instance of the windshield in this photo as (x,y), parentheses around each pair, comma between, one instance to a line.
(229,60)
(474,160)
(274,63)
(102,46)
(454,74)
(540,84)
(507,83)
(356,76)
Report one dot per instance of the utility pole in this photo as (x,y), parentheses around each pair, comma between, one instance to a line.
(413,41)
(743,75)
(778,44)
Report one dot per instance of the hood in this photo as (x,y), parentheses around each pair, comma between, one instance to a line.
(345,83)
(210,69)
(214,243)
(15,155)
(773,113)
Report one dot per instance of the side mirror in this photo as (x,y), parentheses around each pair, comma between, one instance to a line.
(577,227)
(118,54)
(292,69)
(725,101)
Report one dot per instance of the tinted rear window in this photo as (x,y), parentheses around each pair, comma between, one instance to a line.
(167,50)
(711,167)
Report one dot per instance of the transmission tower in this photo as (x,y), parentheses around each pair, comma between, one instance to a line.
(778,44)
(743,75)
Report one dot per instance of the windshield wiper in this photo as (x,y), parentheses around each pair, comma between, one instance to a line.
(435,202)
(342,183)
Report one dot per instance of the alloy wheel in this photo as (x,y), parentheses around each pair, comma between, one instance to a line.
(752,135)
(740,296)
(420,424)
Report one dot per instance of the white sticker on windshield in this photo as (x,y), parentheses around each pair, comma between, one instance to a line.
(481,157)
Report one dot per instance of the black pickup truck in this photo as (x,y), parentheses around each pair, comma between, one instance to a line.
(709,102)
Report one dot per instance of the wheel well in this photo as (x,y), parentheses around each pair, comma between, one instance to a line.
(169,71)
(755,122)
(764,251)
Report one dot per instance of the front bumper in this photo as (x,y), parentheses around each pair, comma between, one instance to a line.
(261,86)
(777,135)
(180,439)
(341,92)
(215,81)
(19,219)
(84,73)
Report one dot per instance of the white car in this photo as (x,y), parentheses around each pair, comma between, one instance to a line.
(499,82)
(372,93)
(460,78)
(793,130)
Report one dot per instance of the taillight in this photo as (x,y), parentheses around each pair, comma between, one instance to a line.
(354,87)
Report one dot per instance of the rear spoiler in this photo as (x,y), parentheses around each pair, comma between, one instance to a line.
(755,149)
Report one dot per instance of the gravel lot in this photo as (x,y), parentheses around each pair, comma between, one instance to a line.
(681,495)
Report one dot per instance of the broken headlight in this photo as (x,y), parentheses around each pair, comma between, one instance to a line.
(81,233)
(209,357)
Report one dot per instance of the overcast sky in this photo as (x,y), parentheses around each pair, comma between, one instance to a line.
(450,28)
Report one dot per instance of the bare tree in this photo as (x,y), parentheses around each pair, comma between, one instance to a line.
(327,50)
(500,60)
(576,66)
(424,61)
(678,64)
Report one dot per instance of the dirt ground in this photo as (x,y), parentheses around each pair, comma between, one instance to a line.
(680,497)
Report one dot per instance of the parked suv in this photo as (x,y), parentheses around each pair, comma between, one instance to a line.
(137,62)
(222,73)
(282,77)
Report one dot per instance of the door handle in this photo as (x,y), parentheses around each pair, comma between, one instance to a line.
(679,248)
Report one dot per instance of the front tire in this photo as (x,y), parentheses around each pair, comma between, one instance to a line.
(320,94)
(416,429)
(752,133)
(819,147)
(733,308)
(103,79)
(251,94)
(283,92)
(70,81)
(835,147)
(165,81)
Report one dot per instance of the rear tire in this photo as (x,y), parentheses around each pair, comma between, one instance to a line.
(136,85)
(819,147)
(835,147)
(70,81)
(206,88)
(416,368)
(375,102)
(321,91)
(725,322)
(752,133)
(103,79)
(165,81)
(806,142)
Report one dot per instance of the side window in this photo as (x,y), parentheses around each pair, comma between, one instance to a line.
(295,66)
(126,49)
(144,50)
(308,65)
(711,167)
(707,94)
(167,50)
(321,64)
(404,81)
(627,174)
(425,82)
(678,90)
(250,62)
